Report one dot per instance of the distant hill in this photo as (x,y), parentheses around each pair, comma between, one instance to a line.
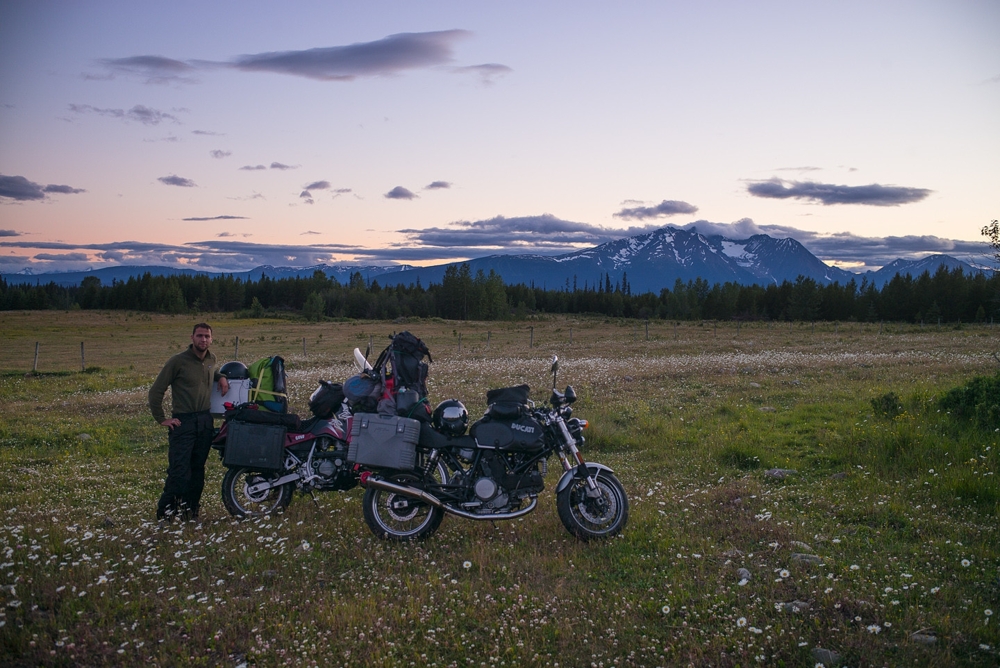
(649,262)
(915,268)
(108,275)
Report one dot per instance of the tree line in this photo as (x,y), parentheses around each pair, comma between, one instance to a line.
(945,296)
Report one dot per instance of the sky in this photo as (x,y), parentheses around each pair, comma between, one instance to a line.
(226,135)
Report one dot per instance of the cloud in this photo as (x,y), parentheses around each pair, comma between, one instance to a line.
(220,154)
(399,192)
(309,232)
(827,194)
(252,168)
(154,69)
(437,185)
(216,218)
(65,257)
(544,233)
(306,196)
(9,233)
(174,180)
(317,185)
(341,191)
(488,73)
(383,57)
(208,133)
(21,189)
(664,208)
(278,165)
(64,190)
(139,113)
(390,55)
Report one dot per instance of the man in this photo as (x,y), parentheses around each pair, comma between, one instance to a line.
(189,376)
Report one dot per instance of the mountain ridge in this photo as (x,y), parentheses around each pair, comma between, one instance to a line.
(649,262)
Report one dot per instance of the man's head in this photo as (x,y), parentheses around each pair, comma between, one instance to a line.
(201,337)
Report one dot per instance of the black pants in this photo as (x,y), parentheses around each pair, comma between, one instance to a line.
(190,443)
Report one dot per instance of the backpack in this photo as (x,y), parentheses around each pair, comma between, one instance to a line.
(408,368)
(400,367)
(268,384)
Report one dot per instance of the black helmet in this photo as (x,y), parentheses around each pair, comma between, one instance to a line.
(450,417)
(234,370)
(327,398)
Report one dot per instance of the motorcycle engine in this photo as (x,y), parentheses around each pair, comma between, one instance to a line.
(332,467)
(488,491)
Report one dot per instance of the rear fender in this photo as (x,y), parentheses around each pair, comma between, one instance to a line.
(593,468)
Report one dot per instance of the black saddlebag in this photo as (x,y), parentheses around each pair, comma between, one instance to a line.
(255,446)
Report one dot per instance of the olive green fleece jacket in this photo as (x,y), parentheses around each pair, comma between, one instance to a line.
(190,381)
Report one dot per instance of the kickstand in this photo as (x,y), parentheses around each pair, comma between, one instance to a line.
(313,497)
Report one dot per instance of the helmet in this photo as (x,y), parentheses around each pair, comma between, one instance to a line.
(450,417)
(234,370)
(327,398)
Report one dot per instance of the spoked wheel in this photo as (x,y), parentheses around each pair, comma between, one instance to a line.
(588,517)
(241,503)
(398,517)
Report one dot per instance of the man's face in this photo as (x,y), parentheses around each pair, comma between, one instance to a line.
(202,339)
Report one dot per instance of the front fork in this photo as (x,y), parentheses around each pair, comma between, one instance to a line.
(568,450)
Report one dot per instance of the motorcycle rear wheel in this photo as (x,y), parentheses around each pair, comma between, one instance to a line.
(588,518)
(240,503)
(400,518)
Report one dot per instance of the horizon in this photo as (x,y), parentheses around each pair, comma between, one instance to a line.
(230,136)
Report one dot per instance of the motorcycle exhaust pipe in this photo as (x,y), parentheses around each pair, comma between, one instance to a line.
(414,493)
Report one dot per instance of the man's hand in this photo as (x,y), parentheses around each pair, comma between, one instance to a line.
(170,423)
(224,385)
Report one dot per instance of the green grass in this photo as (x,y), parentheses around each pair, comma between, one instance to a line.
(899,500)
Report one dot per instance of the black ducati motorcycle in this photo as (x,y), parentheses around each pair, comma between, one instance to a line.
(494,472)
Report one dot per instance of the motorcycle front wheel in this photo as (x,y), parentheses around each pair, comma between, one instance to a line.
(396,517)
(589,517)
(241,503)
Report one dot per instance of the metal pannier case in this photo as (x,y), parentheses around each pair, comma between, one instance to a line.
(255,446)
(384,441)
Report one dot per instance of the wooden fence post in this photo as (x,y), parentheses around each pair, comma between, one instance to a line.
(83,359)
(304,346)
(570,336)
(675,330)
(460,342)
(237,356)
(531,340)
(487,339)
(647,330)
(34,365)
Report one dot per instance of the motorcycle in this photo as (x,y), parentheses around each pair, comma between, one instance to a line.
(269,455)
(496,471)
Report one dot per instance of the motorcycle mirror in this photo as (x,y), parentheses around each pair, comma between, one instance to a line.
(555,370)
(570,394)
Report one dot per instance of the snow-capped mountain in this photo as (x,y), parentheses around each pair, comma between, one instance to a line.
(653,261)
(915,268)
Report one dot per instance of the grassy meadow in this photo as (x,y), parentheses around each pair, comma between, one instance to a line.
(877,544)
